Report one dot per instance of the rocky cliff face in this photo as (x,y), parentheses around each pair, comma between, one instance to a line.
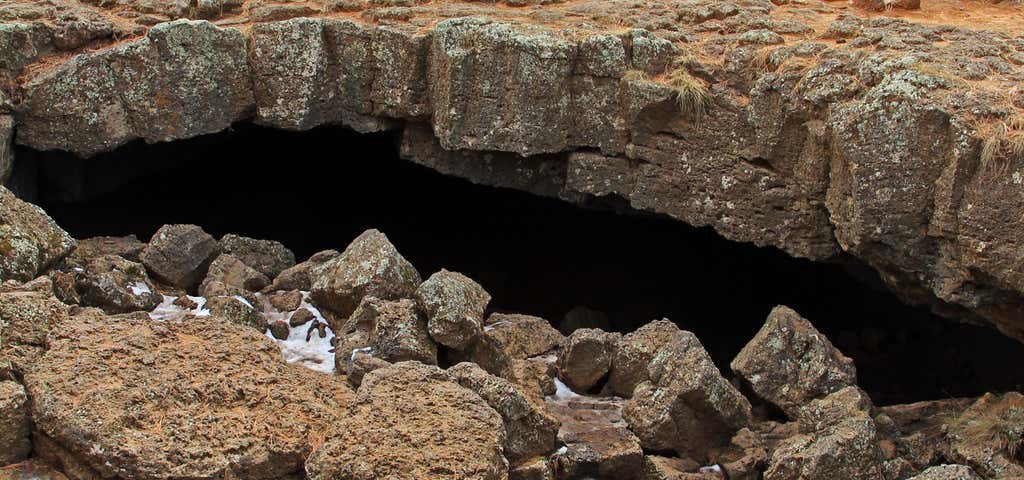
(816,128)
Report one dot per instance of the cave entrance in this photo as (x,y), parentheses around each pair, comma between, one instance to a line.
(319,189)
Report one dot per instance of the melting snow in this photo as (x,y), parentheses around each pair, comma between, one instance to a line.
(316,353)
(167,310)
(138,288)
(563,392)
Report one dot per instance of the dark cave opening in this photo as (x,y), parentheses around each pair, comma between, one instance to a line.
(319,189)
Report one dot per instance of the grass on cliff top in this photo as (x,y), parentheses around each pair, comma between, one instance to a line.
(1003,142)
(692,94)
(1000,425)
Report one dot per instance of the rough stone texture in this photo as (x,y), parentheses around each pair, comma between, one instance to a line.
(114,284)
(826,129)
(29,239)
(838,440)
(597,443)
(361,363)
(509,337)
(399,331)
(370,266)
(266,256)
(635,353)
(237,310)
(947,472)
(230,271)
(790,363)
(14,423)
(26,318)
(30,470)
(128,248)
(6,146)
(133,398)
(411,421)
(587,357)
(530,430)
(986,433)
(297,277)
(535,376)
(454,305)
(686,406)
(179,255)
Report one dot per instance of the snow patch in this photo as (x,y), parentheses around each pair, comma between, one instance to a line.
(316,354)
(167,310)
(563,392)
(138,288)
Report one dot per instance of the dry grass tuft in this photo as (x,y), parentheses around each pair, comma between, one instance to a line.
(999,425)
(692,94)
(1003,143)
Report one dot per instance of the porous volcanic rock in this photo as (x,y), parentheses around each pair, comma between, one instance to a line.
(30,241)
(635,353)
(370,266)
(110,282)
(297,277)
(412,421)
(454,305)
(135,398)
(232,273)
(129,248)
(30,470)
(399,331)
(947,472)
(790,363)
(509,337)
(237,310)
(597,442)
(14,423)
(530,429)
(179,255)
(26,318)
(587,357)
(687,405)
(266,256)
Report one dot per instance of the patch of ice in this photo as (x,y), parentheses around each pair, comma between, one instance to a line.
(243,300)
(167,310)
(716,468)
(492,326)
(561,451)
(563,392)
(78,269)
(200,302)
(138,288)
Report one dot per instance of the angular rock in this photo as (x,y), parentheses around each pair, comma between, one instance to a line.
(839,440)
(411,420)
(597,442)
(535,376)
(30,241)
(300,317)
(133,398)
(129,248)
(268,257)
(297,277)
(454,305)
(15,424)
(657,467)
(370,266)
(179,255)
(988,433)
(114,284)
(587,357)
(686,406)
(6,146)
(26,318)
(790,363)
(237,310)
(530,430)
(361,363)
(399,331)
(509,337)
(947,472)
(279,329)
(287,301)
(635,353)
(232,273)
(537,469)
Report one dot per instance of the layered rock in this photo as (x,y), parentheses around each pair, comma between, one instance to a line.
(134,398)
(411,420)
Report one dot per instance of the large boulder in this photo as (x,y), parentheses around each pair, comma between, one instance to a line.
(587,357)
(128,247)
(687,405)
(988,434)
(179,255)
(266,256)
(509,337)
(370,266)
(297,277)
(399,331)
(635,353)
(838,439)
(411,421)
(228,272)
(530,430)
(135,398)
(790,363)
(14,423)
(454,305)
(30,241)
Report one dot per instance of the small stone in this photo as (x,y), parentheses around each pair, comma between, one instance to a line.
(300,317)
(179,255)
(279,330)
(587,358)
(268,257)
(231,272)
(186,302)
(286,301)
(536,469)
(361,363)
(454,305)
(116,285)
(370,266)
(237,310)
(790,363)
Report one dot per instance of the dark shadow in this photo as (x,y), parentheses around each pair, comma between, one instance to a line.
(319,189)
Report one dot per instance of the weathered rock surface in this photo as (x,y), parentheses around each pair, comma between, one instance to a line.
(412,421)
(587,357)
(790,363)
(686,405)
(947,472)
(110,282)
(6,147)
(134,398)
(265,256)
(179,255)
(635,353)
(30,470)
(399,331)
(237,310)
(26,318)
(370,267)
(454,305)
(231,273)
(510,337)
(988,434)
(297,277)
(596,441)
(530,430)
(29,239)
(14,423)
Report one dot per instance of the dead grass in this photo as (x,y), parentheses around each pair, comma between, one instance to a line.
(999,425)
(692,94)
(1002,143)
